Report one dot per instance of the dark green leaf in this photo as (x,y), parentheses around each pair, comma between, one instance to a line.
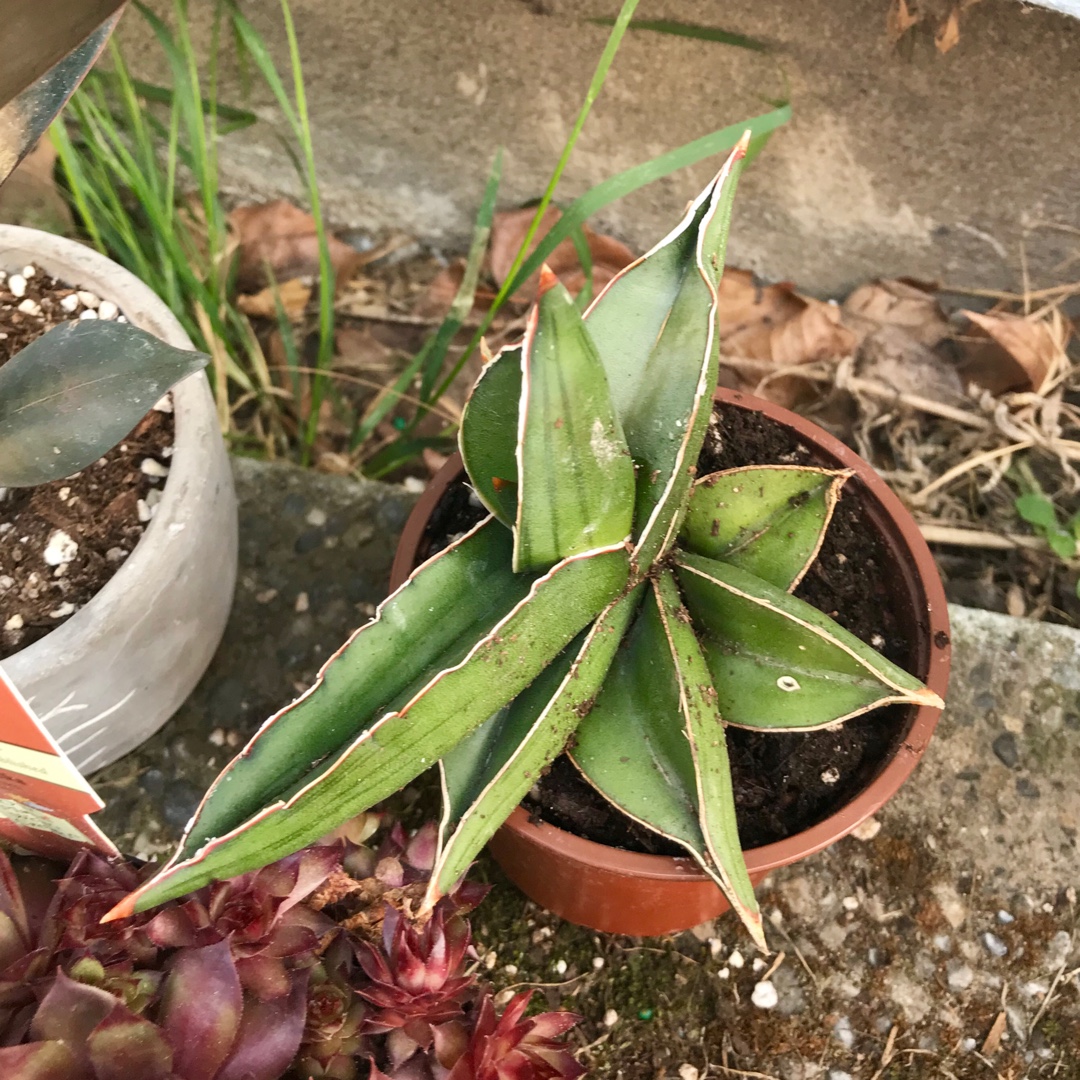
(575,476)
(77,391)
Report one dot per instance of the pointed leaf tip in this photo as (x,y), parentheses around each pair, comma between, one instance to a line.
(548,280)
(741,146)
(124,910)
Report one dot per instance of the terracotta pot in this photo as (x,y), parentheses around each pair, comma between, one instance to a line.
(624,892)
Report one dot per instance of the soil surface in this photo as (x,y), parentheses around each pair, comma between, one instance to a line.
(61,542)
(784,783)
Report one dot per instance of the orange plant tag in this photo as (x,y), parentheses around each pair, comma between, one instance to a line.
(44,801)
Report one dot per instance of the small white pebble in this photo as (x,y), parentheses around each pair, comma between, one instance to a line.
(969,1044)
(867,830)
(736,959)
(724,973)
(316,518)
(830,776)
(3,275)
(107,310)
(60,549)
(688,1071)
(765,995)
(716,947)
(89,313)
(88,299)
(120,318)
(877,641)
(63,611)
(17,285)
(611,1018)
(70,303)
(30,307)
(6,582)
(993,944)
(167,452)
(29,270)
(759,964)
(217,736)
(597,963)
(851,903)
(153,497)
(265,596)
(560,967)
(145,511)
(64,494)
(491,960)
(150,467)
(302,603)
(413,485)
(14,623)
(511,969)
(1004,917)
(164,404)
(115,554)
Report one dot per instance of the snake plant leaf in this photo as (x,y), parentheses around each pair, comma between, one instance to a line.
(488,435)
(654,746)
(704,730)
(655,328)
(413,734)
(777,662)
(452,598)
(575,475)
(487,774)
(768,519)
(75,392)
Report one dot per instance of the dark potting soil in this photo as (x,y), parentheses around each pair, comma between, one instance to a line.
(784,783)
(61,542)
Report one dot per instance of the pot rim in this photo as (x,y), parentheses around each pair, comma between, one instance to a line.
(84,267)
(888,781)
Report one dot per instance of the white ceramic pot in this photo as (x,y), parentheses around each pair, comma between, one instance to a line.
(120,667)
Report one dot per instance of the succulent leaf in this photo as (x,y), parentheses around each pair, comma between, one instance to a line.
(768,519)
(416,731)
(268,1037)
(50,1060)
(487,774)
(124,1046)
(489,431)
(703,727)
(453,597)
(654,745)
(575,476)
(655,329)
(777,662)
(201,1009)
(78,390)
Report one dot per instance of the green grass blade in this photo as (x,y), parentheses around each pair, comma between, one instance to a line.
(693,30)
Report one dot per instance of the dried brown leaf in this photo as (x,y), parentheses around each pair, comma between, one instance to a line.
(360,352)
(993,1040)
(1011,352)
(294,296)
(443,288)
(894,358)
(748,312)
(899,302)
(508,233)
(283,237)
(900,20)
(816,333)
(948,33)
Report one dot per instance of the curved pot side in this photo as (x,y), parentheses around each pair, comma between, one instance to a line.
(626,892)
(112,674)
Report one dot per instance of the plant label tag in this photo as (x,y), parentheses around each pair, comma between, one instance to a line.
(44,800)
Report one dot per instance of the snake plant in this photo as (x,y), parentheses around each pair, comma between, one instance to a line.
(612,605)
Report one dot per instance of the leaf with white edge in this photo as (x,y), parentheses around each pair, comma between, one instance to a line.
(75,392)
(655,329)
(487,774)
(703,727)
(488,435)
(413,734)
(575,475)
(777,662)
(653,745)
(453,598)
(768,519)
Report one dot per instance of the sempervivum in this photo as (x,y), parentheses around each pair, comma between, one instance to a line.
(213,989)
